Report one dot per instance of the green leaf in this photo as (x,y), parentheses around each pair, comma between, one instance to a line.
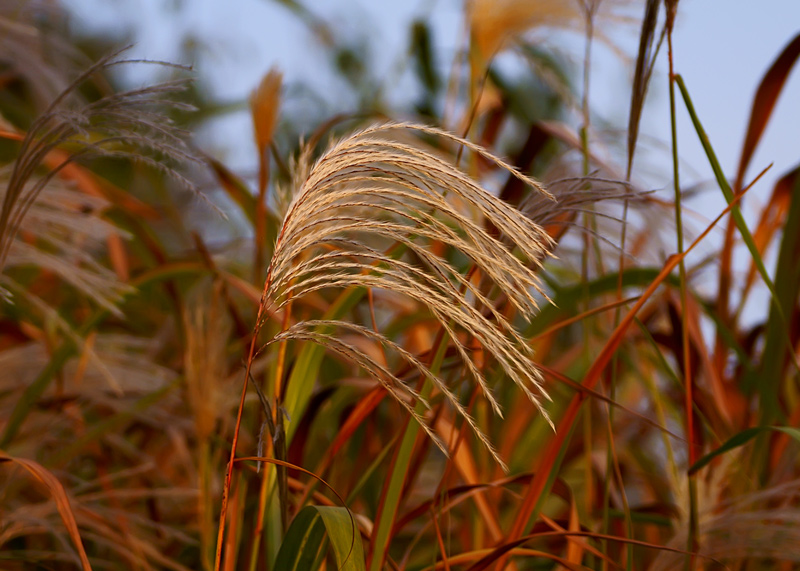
(777,343)
(304,542)
(305,372)
(742,438)
(422,52)
(736,212)
(393,490)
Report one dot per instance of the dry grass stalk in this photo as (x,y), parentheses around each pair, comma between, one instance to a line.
(207,331)
(264,106)
(64,231)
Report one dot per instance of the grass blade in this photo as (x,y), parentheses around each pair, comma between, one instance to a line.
(777,344)
(60,496)
(764,102)
(736,212)
(645,60)
(740,439)
(302,547)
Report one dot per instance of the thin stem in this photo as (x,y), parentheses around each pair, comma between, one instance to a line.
(692,545)
(262,306)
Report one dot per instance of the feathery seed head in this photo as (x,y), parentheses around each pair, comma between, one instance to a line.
(367,214)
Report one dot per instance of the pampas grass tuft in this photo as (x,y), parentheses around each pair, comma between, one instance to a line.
(372,190)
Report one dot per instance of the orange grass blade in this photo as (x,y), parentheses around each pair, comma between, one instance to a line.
(549,458)
(581,316)
(358,415)
(771,221)
(232,541)
(582,388)
(237,190)
(764,102)
(264,106)
(574,548)
(503,550)
(464,462)
(763,105)
(55,488)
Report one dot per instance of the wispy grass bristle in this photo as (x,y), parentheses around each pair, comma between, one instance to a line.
(371,188)
(121,126)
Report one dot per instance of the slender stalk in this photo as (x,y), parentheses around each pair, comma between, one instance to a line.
(277,445)
(692,541)
(229,472)
(260,317)
(263,497)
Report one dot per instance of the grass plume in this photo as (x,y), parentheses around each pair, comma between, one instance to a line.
(372,188)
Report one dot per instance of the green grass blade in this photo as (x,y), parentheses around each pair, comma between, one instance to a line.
(305,371)
(303,544)
(397,477)
(344,537)
(394,488)
(777,343)
(727,192)
(303,377)
(742,438)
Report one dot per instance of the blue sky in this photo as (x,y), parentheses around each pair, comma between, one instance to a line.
(722,47)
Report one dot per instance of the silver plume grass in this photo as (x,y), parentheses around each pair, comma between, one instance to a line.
(63,227)
(373,189)
(130,124)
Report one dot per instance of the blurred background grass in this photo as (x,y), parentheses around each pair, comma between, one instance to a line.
(133,282)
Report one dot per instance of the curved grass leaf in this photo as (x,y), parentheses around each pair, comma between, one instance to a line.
(764,102)
(304,543)
(302,379)
(736,212)
(742,438)
(777,343)
(44,476)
